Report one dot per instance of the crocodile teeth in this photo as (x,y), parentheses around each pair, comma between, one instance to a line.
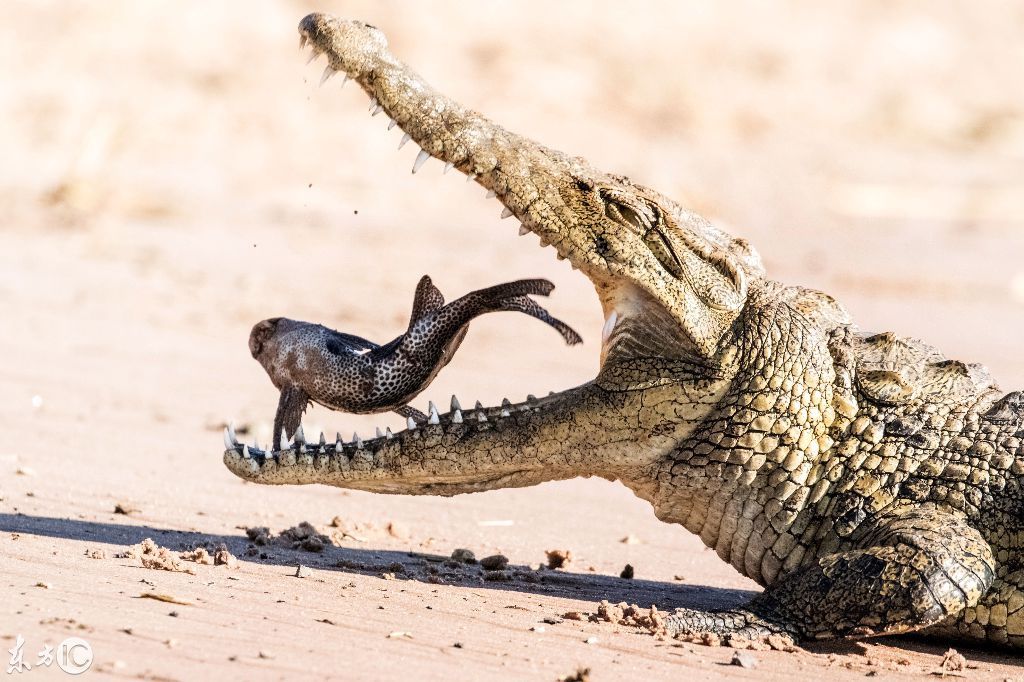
(339,443)
(491,194)
(410,423)
(376,110)
(300,437)
(392,123)
(286,442)
(302,40)
(609,326)
(479,406)
(523,229)
(245,452)
(313,55)
(344,80)
(455,403)
(328,72)
(447,167)
(531,398)
(421,159)
(434,417)
(505,402)
(405,138)
(228,445)
(231,432)
(504,412)
(357,441)
(387,433)
(373,103)
(470,177)
(323,439)
(506,213)
(380,434)
(457,417)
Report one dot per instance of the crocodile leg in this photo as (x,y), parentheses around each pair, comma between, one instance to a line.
(906,572)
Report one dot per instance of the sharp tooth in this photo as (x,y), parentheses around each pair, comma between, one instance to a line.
(313,55)
(457,417)
(300,437)
(410,423)
(434,417)
(531,398)
(344,80)
(392,123)
(405,138)
(523,229)
(504,412)
(505,402)
(357,441)
(245,452)
(323,439)
(228,445)
(338,443)
(609,326)
(377,109)
(286,443)
(328,72)
(491,194)
(373,103)
(231,432)
(380,434)
(421,159)
(302,40)
(387,434)
(447,167)
(470,177)
(455,403)
(506,213)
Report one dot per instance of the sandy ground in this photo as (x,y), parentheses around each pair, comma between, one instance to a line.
(171,174)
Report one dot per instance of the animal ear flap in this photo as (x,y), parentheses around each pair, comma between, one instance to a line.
(428,299)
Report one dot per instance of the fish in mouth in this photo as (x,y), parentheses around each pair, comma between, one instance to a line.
(309,362)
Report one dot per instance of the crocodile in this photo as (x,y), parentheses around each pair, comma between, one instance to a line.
(309,362)
(871,485)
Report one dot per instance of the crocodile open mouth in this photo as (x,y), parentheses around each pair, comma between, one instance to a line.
(641,251)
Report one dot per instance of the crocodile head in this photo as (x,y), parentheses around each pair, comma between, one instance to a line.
(671,285)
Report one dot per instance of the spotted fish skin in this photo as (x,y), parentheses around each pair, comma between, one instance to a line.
(310,362)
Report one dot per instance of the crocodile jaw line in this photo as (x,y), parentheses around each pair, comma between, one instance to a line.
(591,429)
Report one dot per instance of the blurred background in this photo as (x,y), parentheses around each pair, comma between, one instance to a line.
(171,174)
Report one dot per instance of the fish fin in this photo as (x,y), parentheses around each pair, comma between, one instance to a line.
(428,299)
(290,406)
(408,411)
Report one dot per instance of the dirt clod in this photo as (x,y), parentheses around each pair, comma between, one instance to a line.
(558,558)
(581,675)
(155,557)
(495,562)
(464,556)
(953,661)
(627,572)
(126,508)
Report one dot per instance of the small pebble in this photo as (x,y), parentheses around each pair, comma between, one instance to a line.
(494,562)
(743,659)
(627,572)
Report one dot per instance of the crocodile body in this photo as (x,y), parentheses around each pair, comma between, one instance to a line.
(869,484)
(309,362)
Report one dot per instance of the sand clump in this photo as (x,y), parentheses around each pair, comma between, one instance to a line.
(155,557)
